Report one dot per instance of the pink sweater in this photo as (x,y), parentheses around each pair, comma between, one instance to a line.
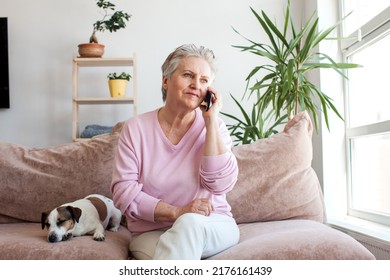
(149,168)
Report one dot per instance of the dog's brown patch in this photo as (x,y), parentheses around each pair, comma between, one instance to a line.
(65,218)
(100,207)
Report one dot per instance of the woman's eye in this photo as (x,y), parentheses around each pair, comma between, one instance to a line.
(205,81)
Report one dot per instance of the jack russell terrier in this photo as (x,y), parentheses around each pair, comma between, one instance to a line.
(90,215)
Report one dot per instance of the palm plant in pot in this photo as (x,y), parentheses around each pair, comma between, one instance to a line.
(112,21)
(283,88)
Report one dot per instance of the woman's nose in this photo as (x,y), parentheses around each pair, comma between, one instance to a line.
(196,84)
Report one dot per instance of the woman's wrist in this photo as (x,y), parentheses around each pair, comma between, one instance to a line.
(165,212)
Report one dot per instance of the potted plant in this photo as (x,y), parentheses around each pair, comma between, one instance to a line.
(117,84)
(112,21)
(283,88)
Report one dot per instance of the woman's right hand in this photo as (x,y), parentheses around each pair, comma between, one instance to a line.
(165,212)
(200,206)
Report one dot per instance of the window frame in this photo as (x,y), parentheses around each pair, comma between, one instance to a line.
(372,31)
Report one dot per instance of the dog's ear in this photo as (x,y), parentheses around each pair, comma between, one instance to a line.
(75,212)
(43,219)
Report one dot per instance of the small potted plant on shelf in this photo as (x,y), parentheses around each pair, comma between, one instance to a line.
(112,21)
(117,84)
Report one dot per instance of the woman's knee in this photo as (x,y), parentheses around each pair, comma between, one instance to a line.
(189,221)
(188,218)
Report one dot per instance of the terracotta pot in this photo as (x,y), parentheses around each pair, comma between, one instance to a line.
(117,88)
(91,50)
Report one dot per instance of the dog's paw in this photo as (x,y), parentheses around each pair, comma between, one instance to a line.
(99,237)
(114,229)
(67,236)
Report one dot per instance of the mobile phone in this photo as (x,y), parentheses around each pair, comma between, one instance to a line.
(208,100)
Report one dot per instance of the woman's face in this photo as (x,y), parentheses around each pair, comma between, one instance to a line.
(187,86)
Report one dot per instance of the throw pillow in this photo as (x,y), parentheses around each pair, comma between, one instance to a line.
(34,180)
(276,180)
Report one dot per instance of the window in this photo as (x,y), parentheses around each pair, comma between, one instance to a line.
(368,109)
(362,12)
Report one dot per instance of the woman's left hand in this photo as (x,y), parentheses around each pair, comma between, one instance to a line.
(216,104)
(214,144)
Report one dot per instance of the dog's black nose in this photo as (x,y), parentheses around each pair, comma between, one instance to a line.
(52,238)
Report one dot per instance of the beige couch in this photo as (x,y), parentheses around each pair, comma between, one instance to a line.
(277,200)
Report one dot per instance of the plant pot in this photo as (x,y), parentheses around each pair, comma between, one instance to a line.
(91,50)
(117,88)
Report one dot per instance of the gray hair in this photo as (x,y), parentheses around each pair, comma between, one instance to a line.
(190,50)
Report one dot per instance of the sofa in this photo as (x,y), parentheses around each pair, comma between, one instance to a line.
(277,200)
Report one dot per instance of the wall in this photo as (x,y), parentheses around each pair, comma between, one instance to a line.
(44,34)
(329,147)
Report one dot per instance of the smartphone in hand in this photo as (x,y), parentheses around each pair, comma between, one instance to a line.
(207,100)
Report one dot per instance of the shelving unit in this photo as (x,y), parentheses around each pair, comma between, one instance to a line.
(77,100)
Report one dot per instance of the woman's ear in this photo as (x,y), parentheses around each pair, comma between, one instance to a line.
(164,83)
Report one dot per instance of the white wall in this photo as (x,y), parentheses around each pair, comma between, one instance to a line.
(44,34)
(333,157)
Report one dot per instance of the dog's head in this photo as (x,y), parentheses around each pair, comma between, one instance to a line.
(60,222)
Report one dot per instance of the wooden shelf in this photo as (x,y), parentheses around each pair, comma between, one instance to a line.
(102,100)
(104,62)
(81,139)
(78,101)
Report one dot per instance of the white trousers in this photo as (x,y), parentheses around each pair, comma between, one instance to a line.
(191,237)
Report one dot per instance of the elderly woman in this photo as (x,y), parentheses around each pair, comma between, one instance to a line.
(174,166)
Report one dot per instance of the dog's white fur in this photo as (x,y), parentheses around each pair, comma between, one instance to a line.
(79,218)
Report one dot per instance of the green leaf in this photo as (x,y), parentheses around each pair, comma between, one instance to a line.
(274,29)
(265,28)
(308,43)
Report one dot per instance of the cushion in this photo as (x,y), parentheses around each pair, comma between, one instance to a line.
(34,180)
(294,240)
(276,180)
(27,241)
